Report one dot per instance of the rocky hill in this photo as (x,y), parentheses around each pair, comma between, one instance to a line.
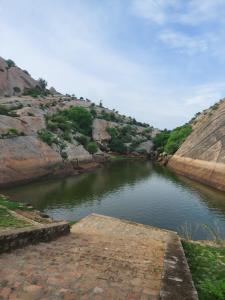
(202,155)
(44,133)
(13,80)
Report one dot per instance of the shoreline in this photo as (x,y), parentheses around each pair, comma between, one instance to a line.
(68,169)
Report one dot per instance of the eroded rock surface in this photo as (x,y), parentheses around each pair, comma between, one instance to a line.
(202,155)
(99,132)
(25,158)
(146,146)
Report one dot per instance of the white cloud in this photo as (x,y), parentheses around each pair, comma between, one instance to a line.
(183,42)
(157,11)
(198,12)
(191,12)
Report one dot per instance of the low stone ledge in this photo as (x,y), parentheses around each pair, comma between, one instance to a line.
(177,280)
(18,238)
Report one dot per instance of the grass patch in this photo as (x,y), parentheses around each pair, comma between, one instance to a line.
(8,220)
(13,205)
(118,158)
(207,265)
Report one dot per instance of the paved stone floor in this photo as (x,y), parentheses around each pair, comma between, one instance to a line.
(103,258)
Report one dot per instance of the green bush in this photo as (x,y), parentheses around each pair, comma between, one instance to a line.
(4,110)
(207,267)
(80,117)
(42,83)
(33,92)
(46,136)
(177,137)
(92,147)
(83,140)
(66,136)
(160,140)
(116,145)
(170,141)
(10,63)
(112,131)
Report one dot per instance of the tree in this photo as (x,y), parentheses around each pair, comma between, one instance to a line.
(160,140)
(10,63)
(117,145)
(92,147)
(42,83)
(80,117)
(177,137)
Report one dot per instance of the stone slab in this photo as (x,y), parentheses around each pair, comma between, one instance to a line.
(102,258)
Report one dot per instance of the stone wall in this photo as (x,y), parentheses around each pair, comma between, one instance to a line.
(207,172)
(18,238)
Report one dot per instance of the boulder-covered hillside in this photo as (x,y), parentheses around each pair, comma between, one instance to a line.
(202,155)
(43,132)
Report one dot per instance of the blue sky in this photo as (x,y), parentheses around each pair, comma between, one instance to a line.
(160,61)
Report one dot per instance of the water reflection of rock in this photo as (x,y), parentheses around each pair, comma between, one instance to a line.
(213,198)
(86,187)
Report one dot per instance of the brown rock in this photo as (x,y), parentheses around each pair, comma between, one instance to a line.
(78,153)
(33,292)
(25,158)
(99,132)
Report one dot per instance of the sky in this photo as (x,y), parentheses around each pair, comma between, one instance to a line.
(160,61)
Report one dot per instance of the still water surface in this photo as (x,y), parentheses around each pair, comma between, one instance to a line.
(136,190)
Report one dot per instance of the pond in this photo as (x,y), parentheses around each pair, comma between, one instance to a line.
(140,191)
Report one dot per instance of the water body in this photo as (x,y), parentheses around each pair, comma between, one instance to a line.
(140,191)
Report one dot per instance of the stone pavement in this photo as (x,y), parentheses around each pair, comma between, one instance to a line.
(102,259)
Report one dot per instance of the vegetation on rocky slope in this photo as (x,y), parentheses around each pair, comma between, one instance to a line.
(170,141)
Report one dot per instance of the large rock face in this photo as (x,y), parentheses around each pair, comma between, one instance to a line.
(25,158)
(78,154)
(14,77)
(202,155)
(146,146)
(99,132)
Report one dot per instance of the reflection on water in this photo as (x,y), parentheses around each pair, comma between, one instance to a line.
(138,190)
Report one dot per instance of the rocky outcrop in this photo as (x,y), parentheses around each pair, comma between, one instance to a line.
(202,155)
(14,80)
(99,132)
(146,146)
(7,123)
(24,159)
(77,153)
